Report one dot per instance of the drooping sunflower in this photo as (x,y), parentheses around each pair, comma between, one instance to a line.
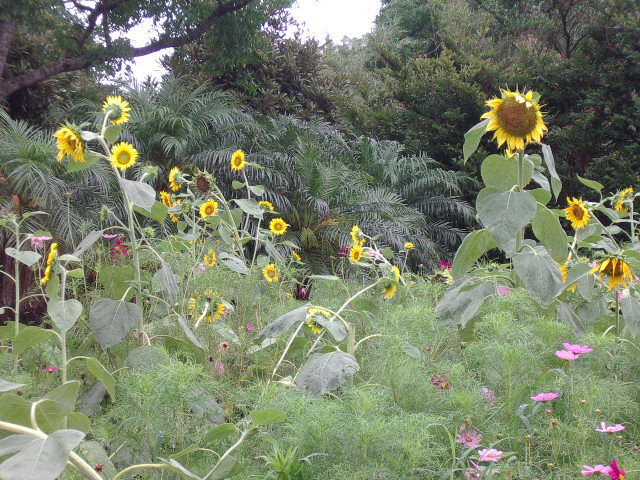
(70,144)
(409,246)
(208,208)
(312,314)
(266,204)
(123,156)
(577,213)
(165,198)
(237,160)
(516,119)
(355,254)
(203,183)
(315,327)
(48,271)
(118,109)
(209,260)
(389,290)
(270,273)
(564,270)
(357,236)
(278,226)
(175,179)
(622,197)
(616,269)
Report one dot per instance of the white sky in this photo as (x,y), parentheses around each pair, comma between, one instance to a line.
(335,18)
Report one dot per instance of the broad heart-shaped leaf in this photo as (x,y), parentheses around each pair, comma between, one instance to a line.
(177,467)
(13,444)
(55,408)
(546,227)
(27,257)
(630,307)
(168,283)
(568,316)
(257,190)
(334,326)
(236,185)
(115,280)
(111,320)
(250,207)
(539,273)
(597,186)
(102,374)
(112,132)
(219,432)
(6,386)
(15,409)
(556,184)
(95,454)
(42,458)
(229,467)
(189,334)
(502,172)
(474,245)
(268,416)
(158,212)
(323,373)
(472,138)
(141,194)
(462,301)
(285,322)
(64,313)
(234,263)
(505,213)
(29,337)
(87,242)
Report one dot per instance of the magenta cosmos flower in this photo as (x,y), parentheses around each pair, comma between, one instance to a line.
(604,428)
(38,241)
(503,291)
(566,355)
(490,455)
(470,438)
(544,397)
(615,472)
(577,349)
(474,472)
(601,469)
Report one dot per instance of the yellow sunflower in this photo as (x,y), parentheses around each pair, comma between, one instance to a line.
(357,236)
(278,226)
(270,273)
(266,204)
(119,109)
(165,198)
(48,271)
(409,246)
(616,269)
(577,213)
(516,119)
(315,327)
(296,256)
(208,208)
(210,259)
(396,273)
(220,311)
(123,155)
(389,290)
(313,312)
(564,270)
(237,160)
(69,143)
(175,179)
(622,198)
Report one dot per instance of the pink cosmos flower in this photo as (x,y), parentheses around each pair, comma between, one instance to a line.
(443,382)
(604,428)
(202,267)
(470,438)
(488,393)
(375,254)
(502,290)
(490,455)
(119,249)
(544,397)
(38,241)
(566,355)
(109,235)
(250,327)
(615,472)
(446,265)
(577,349)
(593,264)
(473,473)
(219,366)
(224,345)
(50,369)
(601,469)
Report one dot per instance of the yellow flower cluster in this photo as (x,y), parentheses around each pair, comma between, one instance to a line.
(48,271)
(270,273)
(237,160)
(208,208)
(69,144)
(165,197)
(278,226)
(118,109)
(210,259)
(622,198)
(123,156)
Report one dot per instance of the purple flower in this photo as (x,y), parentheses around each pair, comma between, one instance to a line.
(219,366)
(473,473)
(503,291)
(490,455)
(604,428)
(601,469)
(470,437)
(38,241)
(202,267)
(488,393)
(50,369)
(446,265)
(375,254)
(250,327)
(544,397)
(110,235)
(577,349)
(566,355)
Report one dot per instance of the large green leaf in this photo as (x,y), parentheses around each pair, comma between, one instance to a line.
(597,186)
(268,416)
(102,374)
(472,138)
(27,257)
(630,307)
(233,262)
(505,213)
(115,280)
(568,316)
(285,322)
(323,373)
(6,386)
(141,194)
(158,212)
(42,458)
(111,320)
(462,301)
(539,273)
(112,132)
(168,282)
(29,337)
(64,313)
(250,207)
(219,432)
(556,184)
(546,227)
(95,454)
(474,245)
(502,172)
(56,408)
(87,242)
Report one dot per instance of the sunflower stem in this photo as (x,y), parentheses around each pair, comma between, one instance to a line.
(520,233)
(617,293)
(16,281)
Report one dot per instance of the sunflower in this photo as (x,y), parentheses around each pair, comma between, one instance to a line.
(357,236)
(203,183)
(123,155)
(237,160)
(278,226)
(270,273)
(266,204)
(616,269)
(53,253)
(389,290)
(409,246)
(118,109)
(622,198)
(312,313)
(577,213)
(208,208)
(396,272)
(296,256)
(355,254)
(516,119)
(564,270)
(69,143)
(165,198)
(210,259)
(315,327)
(220,311)
(175,178)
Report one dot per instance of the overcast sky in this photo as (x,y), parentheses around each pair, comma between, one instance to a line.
(336,18)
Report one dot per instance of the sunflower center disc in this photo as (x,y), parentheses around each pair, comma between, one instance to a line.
(123,158)
(516,118)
